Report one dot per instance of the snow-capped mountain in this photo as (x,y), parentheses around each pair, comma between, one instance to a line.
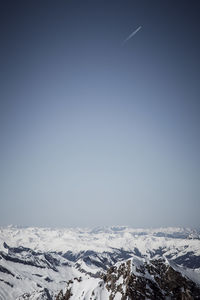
(101,263)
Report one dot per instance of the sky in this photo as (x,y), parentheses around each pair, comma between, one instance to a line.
(97,130)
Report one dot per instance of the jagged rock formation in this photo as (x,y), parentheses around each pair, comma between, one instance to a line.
(138,280)
(153,280)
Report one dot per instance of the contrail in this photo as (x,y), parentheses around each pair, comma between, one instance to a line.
(131,35)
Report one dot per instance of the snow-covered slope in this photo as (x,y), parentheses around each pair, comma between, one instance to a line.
(100,239)
(37,263)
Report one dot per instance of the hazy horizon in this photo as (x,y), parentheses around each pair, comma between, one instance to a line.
(95,132)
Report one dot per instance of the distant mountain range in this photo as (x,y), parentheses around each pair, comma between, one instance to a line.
(103,263)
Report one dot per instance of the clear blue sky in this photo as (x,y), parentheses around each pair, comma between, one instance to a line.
(94,132)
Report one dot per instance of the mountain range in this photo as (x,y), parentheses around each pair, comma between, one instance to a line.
(111,263)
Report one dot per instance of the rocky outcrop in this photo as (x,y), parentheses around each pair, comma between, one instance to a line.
(152,280)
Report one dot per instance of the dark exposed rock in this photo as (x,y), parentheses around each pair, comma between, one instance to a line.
(4,270)
(6,282)
(159,282)
(94,275)
(38,275)
(53,261)
(65,296)
(78,279)
(48,279)
(137,252)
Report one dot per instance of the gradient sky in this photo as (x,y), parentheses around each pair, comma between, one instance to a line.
(95,132)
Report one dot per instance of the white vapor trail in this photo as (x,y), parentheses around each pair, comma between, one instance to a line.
(132,34)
